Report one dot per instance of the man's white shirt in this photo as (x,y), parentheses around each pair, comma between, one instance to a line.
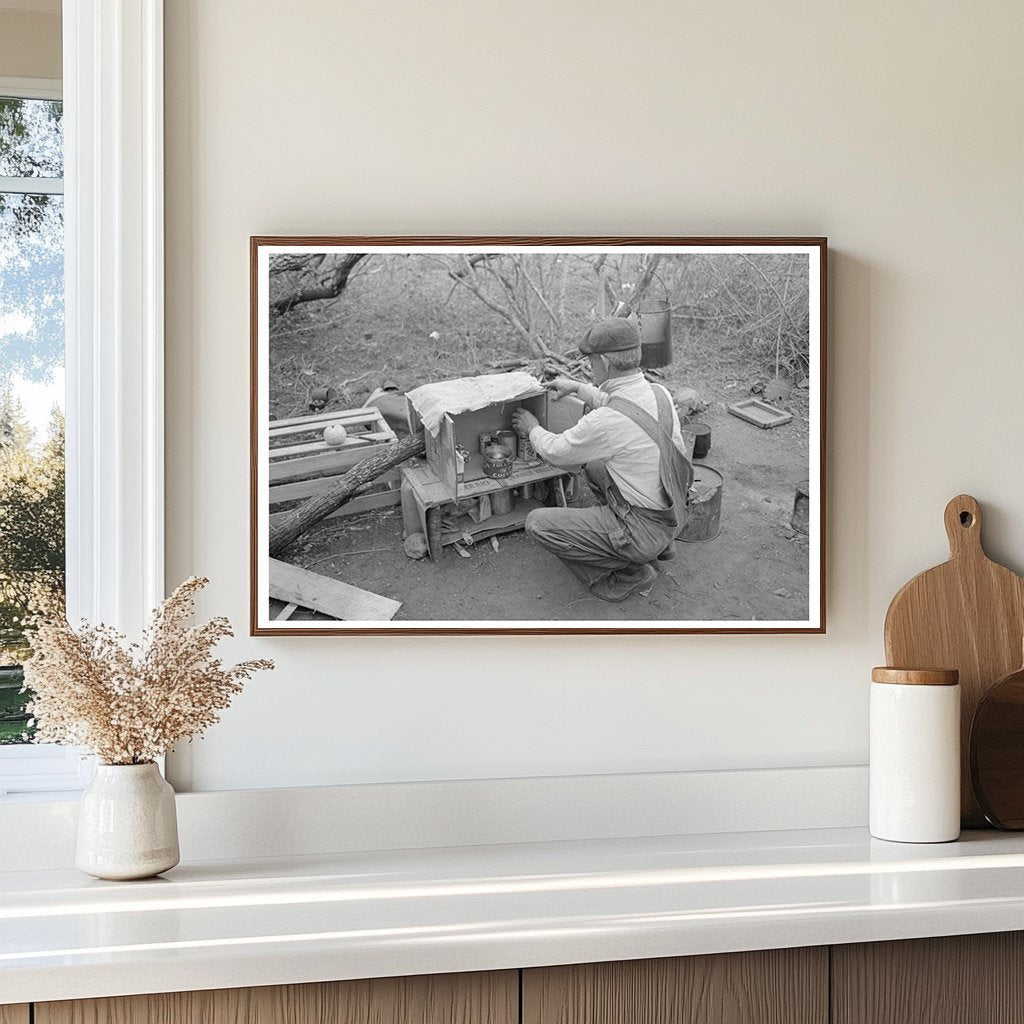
(633,460)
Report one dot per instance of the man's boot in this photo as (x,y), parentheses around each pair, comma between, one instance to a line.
(623,583)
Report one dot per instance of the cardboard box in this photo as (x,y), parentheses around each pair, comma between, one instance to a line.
(464,429)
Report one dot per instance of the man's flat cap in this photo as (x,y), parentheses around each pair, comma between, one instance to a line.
(616,334)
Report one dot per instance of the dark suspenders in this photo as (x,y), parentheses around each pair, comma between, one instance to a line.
(676,471)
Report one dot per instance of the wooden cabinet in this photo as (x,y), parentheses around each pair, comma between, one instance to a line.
(962,979)
(967,979)
(491,998)
(778,986)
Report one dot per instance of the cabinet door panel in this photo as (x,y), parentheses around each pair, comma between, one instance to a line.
(779,986)
(14,1014)
(484,998)
(960,979)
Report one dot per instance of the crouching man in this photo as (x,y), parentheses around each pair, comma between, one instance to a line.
(632,451)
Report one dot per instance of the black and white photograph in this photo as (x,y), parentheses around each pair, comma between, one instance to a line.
(537,435)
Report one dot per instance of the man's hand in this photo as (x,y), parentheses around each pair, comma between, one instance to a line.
(562,386)
(523,421)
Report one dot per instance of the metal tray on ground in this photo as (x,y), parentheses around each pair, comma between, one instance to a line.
(761,414)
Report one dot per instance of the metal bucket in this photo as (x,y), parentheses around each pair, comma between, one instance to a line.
(705,508)
(800,520)
(655,320)
(701,439)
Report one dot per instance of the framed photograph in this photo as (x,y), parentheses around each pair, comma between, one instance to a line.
(537,435)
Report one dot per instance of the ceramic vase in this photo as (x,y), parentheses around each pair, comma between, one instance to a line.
(127,825)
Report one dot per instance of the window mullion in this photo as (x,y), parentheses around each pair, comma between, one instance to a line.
(32,186)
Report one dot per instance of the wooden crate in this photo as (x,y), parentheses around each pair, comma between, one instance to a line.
(424,496)
(302,464)
(302,436)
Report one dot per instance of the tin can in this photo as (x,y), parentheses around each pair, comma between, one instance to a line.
(507,438)
(527,453)
(486,440)
(498,461)
(502,502)
(461,457)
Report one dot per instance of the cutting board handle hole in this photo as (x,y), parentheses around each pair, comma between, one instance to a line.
(966,519)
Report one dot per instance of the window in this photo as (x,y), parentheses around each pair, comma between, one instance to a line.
(112,208)
(32,531)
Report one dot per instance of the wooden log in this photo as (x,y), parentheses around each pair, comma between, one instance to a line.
(354,506)
(310,512)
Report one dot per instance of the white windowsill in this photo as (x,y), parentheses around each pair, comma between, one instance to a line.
(48,797)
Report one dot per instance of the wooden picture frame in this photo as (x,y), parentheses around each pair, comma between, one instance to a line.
(782,302)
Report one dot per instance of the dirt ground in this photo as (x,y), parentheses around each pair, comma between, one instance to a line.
(757,567)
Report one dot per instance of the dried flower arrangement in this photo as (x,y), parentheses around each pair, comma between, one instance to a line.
(130,703)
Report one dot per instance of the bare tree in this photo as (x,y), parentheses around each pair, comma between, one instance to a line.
(527,290)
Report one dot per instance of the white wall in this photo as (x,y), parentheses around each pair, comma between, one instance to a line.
(30,41)
(895,129)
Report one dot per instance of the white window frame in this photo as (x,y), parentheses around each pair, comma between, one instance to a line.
(31,89)
(113,222)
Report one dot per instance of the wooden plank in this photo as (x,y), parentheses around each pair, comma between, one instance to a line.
(363,425)
(480,998)
(413,516)
(777,986)
(365,414)
(960,979)
(430,490)
(341,601)
(337,460)
(446,468)
(312,447)
(286,612)
(491,527)
(362,503)
(306,488)
(14,1014)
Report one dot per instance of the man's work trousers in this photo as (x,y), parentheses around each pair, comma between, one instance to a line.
(602,548)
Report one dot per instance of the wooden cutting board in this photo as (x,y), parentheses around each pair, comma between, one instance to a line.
(967,614)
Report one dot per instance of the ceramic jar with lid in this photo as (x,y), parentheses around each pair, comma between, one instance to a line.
(915,755)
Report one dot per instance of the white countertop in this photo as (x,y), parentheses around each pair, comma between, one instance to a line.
(351,915)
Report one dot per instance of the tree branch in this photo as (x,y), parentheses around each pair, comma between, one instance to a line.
(330,289)
(775,291)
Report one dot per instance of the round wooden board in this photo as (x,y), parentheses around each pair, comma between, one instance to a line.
(997,752)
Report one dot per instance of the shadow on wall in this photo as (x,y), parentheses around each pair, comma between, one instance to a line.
(852,290)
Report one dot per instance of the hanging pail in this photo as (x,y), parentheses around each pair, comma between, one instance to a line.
(705,507)
(655,317)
